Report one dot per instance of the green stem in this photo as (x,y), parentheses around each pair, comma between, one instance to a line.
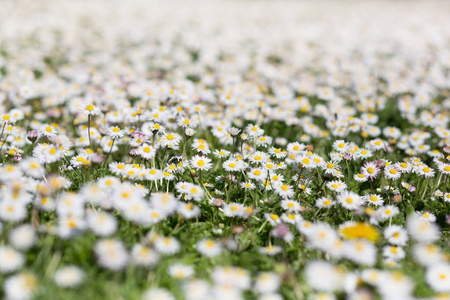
(89,131)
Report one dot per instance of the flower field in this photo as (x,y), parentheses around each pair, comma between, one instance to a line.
(224,150)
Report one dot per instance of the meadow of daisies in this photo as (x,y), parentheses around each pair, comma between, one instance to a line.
(216,150)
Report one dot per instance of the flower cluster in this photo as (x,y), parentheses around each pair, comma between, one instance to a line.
(193,155)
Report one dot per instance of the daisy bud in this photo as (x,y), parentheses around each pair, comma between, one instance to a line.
(17,157)
(231,245)
(310,147)
(447,148)
(380,163)
(217,202)
(97,159)
(234,131)
(397,198)
(32,136)
(136,134)
(217,231)
(447,219)
(411,189)
(237,229)
(281,230)
(133,152)
(348,156)
(189,132)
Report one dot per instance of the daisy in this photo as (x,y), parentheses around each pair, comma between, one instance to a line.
(336,185)
(115,132)
(306,162)
(146,151)
(427,216)
(391,172)
(69,276)
(180,271)
(102,224)
(23,237)
(195,192)
(425,171)
(422,230)
(144,256)
(167,245)
(201,163)
(209,248)
(258,157)
(324,202)
(48,131)
(221,153)
(427,254)
(20,286)
(254,130)
(233,209)
(393,252)
(371,169)
(341,146)
(330,167)
(361,252)
(12,211)
(361,177)
(444,168)
(374,199)
(388,211)
(171,140)
(7,119)
(257,174)
(277,152)
(117,168)
(248,186)
(322,236)
(183,121)
(295,148)
(363,153)
(270,250)
(235,165)
(165,203)
(90,110)
(269,165)
(350,200)
(273,219)
(284,190)
(291,206)
(396,235)
(290,218)
(10,259)
(188,210)
(446,197)
(157,293)
(323,276)
(201,147)
(377,144)
(438,277)
(111,254)
(267,282)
